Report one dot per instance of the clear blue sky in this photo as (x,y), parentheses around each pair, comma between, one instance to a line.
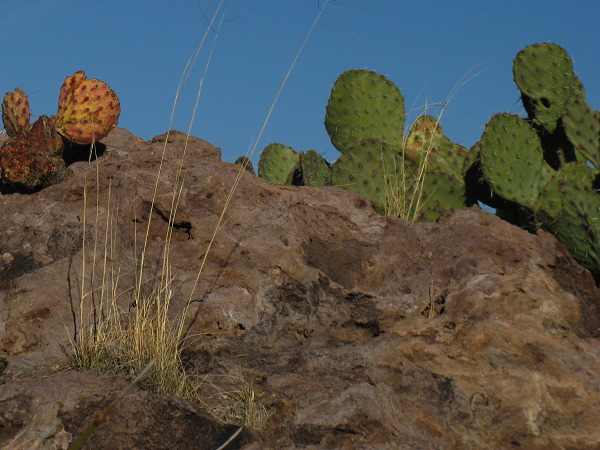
(426,47)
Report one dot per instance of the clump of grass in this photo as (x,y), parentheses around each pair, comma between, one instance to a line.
(403,188)
(124,331)
(239,404)
(123,342)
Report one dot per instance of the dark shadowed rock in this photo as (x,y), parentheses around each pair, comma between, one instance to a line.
(360,331)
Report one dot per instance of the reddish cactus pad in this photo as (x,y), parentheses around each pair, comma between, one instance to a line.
(16,112)
(33,160)
(87,109)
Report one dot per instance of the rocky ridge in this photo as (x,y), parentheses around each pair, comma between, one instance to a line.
(357,330)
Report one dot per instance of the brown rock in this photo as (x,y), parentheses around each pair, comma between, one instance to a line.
(360,331)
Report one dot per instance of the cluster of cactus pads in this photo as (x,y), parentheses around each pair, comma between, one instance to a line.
(539,172)
(365,121)
(543,171)
(32,157)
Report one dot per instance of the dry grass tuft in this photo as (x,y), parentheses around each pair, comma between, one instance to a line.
(403,199)
(128,332)
(237,404)
(404,191)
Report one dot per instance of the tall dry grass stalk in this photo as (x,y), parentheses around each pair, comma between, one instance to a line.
(404,191)
(122,330)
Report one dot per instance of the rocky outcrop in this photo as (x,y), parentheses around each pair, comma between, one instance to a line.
(358,331)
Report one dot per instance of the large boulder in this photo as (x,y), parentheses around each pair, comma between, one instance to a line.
(357,330)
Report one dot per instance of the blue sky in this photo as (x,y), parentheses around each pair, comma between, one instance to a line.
(140,48)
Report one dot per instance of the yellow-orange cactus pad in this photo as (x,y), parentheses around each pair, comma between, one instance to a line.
(87,109)
(15,112)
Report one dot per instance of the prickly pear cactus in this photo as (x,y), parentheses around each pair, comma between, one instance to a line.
(87,109)
(544,75)
(364,105)
(541,167)
(32,158)
(16,113)
(278,163)
(32,161)
(427,144)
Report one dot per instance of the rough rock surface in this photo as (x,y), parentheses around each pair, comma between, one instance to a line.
(359,331)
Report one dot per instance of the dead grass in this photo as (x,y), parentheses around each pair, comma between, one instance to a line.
(121,332)
(127,331)
(403,197)
(233,400)
(403,185)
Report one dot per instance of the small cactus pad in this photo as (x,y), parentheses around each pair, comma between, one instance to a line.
(315,170)
(245,161)
(16,112)
(512,159)
(364,105)
(421,136)
(87,109)
(544,75)
(426,142)
(582,127)
(278,163)
(368,168)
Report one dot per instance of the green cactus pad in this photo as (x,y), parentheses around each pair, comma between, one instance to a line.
(582,127)
(544,75)
(364,105)
(512,160)
(569,208)
(367,168)
(441,193)
(278,163)
(315,170)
